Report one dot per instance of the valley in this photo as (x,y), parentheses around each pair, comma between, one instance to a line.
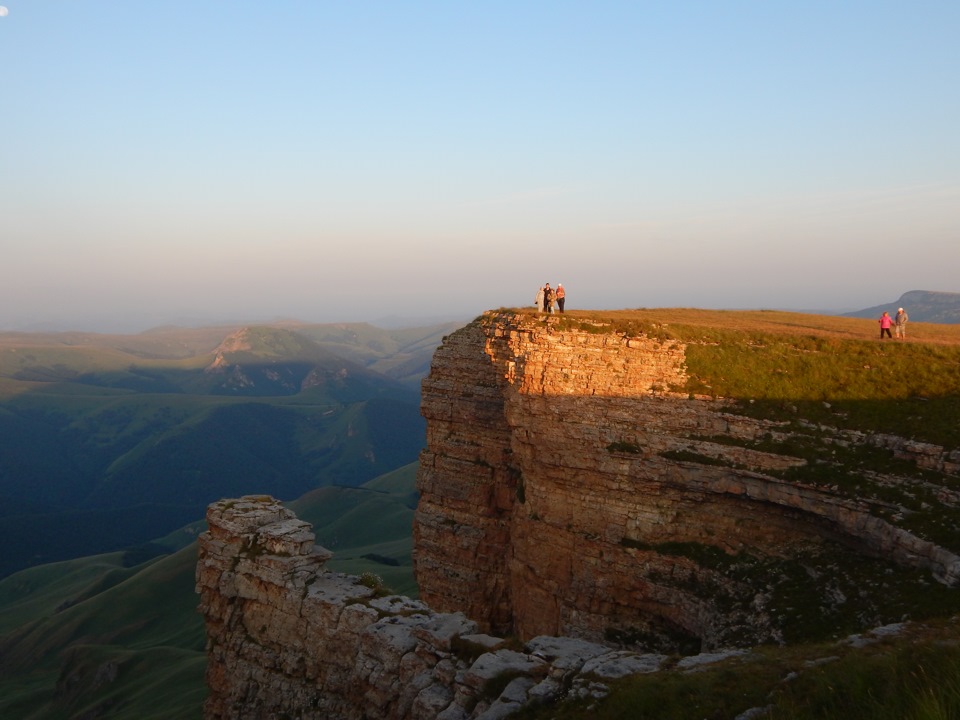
(117,440)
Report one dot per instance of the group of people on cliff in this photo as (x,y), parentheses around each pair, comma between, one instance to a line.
(547,296)
(898,323)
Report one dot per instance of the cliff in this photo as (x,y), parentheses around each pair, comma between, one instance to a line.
(569,488)
(288,638)
(582,515)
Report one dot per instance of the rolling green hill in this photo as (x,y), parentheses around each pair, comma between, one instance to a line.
(368,528)
(95,637)
(91,637)
(115,440)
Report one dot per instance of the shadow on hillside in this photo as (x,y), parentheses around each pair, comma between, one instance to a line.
(99,461)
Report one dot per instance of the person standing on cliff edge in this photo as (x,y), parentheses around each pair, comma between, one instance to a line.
(900,324)
(561,295)
(885,322)
(547,298)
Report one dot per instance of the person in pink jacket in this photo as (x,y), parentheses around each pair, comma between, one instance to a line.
(886,322)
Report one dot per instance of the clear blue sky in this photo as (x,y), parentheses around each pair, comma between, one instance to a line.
(337,161)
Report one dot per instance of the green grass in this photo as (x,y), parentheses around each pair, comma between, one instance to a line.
(774,367)
(374,520)
(916,677)
(907,389)
(781,365)
(143,623)
(38,591)
(901,681)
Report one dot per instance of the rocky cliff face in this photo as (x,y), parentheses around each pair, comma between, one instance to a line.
(288,638)
(573,500)
(567,490)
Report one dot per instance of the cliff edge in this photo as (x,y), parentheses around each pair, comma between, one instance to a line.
(572,486)
(288,638)
(587,511)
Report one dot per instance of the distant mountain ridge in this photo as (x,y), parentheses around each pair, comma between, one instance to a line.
(273,361)
(921,306)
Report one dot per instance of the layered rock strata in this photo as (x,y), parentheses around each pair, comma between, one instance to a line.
(555,472)
(573,500)
(287,638)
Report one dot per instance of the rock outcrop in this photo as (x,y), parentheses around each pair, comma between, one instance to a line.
(560,465)
(288,638)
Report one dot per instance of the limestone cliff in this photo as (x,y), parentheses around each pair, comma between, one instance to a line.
(567,488)
(581,516)
(288,638)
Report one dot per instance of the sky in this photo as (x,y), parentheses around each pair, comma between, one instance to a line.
(195,162)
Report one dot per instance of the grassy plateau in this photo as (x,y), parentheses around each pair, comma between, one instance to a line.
(817,376)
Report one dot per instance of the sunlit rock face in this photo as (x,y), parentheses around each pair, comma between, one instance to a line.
(580,518)
(288,638)
(567,488)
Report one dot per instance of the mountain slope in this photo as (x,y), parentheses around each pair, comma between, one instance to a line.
(369,528)
(99,430)
(100,655)
(91,637)
(921,306)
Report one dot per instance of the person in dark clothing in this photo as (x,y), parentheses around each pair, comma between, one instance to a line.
(548,298)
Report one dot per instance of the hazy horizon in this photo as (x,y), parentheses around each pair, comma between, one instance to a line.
(133,325)
(330,162)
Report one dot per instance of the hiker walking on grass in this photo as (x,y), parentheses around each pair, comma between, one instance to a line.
(900,324)
(561,295)
(885,322)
